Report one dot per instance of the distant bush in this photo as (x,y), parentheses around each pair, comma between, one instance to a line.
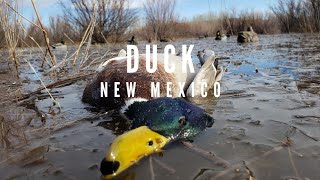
(298,16)
(117,22)
(113,19)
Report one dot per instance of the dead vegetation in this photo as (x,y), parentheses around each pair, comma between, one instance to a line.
(10,30)
(11,133)
(298,16)
(113,17)
(117,21)
(13,24)
(160,19)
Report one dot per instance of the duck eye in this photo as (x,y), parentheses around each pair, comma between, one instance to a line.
(150,143)
(182,120)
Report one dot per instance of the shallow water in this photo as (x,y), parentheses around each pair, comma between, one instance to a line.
(270,92)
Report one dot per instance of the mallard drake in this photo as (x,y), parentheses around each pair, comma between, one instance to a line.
(166,39)
(132,41)
(155,123)
(115,70)
(220,36)
(248,36)
(59,46)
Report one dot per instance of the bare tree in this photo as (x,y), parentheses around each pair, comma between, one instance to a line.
(60,28)
(160,16)
(313,8)
(113,19)
(36,34)
(290,15)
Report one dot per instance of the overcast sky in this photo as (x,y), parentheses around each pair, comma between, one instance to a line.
(185,8)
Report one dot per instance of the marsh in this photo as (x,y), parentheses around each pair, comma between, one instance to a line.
(266,122)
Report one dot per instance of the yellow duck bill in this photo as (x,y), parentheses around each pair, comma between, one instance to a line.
(129,148)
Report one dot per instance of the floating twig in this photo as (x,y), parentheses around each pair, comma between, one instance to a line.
(222,173)
(302,132)
(292,163)
(164,166)
(42,83)
(208,155)
(57,83)
(151,169)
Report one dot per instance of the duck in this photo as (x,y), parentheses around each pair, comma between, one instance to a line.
(248,36)
(60,45)
(115,70)
(155,123)
(132,41)
(229,34)
(220,36)
(166,39)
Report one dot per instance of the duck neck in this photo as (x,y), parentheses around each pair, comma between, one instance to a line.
(131,104)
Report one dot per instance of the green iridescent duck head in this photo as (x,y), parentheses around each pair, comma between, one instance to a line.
(155,123)
(172,118)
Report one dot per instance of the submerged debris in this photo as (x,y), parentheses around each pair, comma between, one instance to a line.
(233,132)
(31,156)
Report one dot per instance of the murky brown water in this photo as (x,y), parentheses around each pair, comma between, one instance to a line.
(256,113)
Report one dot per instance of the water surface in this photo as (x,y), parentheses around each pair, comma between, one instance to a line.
(267,120)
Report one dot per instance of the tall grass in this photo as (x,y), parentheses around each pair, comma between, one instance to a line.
(11,31)
(15,32)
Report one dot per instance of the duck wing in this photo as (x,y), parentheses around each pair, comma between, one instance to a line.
(207,74)
(219,74)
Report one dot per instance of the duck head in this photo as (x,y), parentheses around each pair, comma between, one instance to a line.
(173,118)
(155,123)
(218,33)
(129,148)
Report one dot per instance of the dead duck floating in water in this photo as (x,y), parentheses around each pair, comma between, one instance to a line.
(154,122)
(115,70)
(248,36)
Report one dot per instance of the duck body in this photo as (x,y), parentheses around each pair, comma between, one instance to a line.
(132,41)
(59,46)
(166,39)
(115,70)
(248,36)
(154,121)
(220,36)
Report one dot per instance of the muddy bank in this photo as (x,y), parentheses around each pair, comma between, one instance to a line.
(266,121)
